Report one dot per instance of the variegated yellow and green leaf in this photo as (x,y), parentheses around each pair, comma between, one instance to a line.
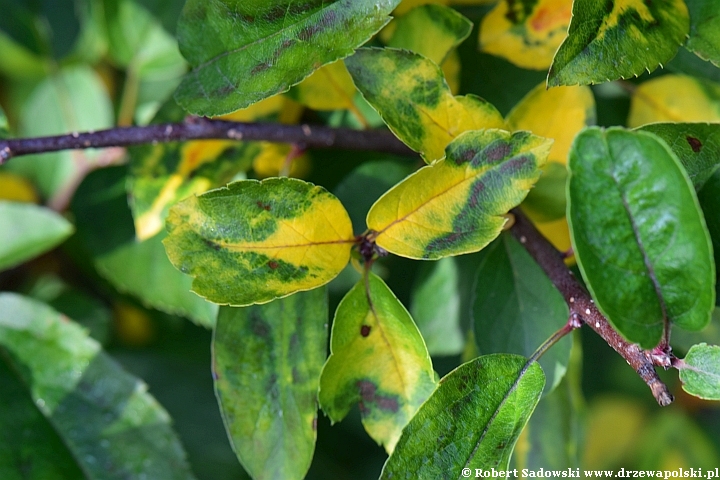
(621,39)
(378,359)
(459,204)
(675,98)
(411,95)
(526,32)
(557,113)
(252,242)
(704,38)
(430,30)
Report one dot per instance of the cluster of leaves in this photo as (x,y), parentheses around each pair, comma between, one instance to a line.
(638,205)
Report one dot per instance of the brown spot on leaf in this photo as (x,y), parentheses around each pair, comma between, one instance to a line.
(308,32)
(497,151)
(264,206)
(314,424)
(259,68)
(273,265)
(369,395)
(694,143)
(212,245)
(365,330)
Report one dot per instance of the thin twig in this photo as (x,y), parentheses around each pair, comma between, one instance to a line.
(312,136)
(580,303)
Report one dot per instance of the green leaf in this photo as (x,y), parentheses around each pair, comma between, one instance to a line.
(546,201)
(704,39)
(261,48)
(700,371)
(266,362)
(435,306)
(4,129)
(105,227)
(27,230)
(411,95)
(709,198)
(110,427)
(697,145)
(72,100)
(471,421)
(430,30)
(252,242)
(517,308)
(612,40)
(459,204)
(682,341)
(378,359)
(635,221)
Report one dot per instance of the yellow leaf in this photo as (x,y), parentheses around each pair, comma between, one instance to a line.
(263,108)
(274,160)
(558,113)
(675,98)
(526,33)
(132,325)
(16,188)
(451,69)
(407,5)
(328,88)
(459,204)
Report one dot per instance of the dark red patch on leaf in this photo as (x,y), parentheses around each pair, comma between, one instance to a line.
(273,265)
(497,151)
(314,424)
(694,143)
(369,395)
(365,330)
(308,32)
(465,157)
(259,68)
(264,206)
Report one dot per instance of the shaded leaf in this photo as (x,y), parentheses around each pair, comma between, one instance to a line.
(252,242)
(328,88)
(111,427)
(471,421)
(635,221)
(611,40)
(105,227)
(435,306)
(430,30)
(4,129)
(458,205)
(697,145)
(675,98)
(546,201)
(262,48)
(682,340)
(709,198)
(700,371)
(526,33)
(27,230)
(378,359)
(558,113)
(71,100)
(704,39)
(266,362)
(16,188)
(411,95)
(517,308)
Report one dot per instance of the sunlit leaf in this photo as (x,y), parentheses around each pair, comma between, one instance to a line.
(411,95)
(252,242)
(697,145)
(266,363)
(635,221)
(459,204)
(675,98)
(517,308)
(607,41)
(704,37)
(261,48)
(700,371)
(471,421)
(109,426)
(378,360)
(27,230)
(558,113)
(435,306)
(431,30)
(526,33)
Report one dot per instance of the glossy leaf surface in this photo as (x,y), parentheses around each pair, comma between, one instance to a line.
(517,308)
(704,38)
(471,421)
(675,98)
(111,427)
(430,30)
(252,242)
(700,371)
(611,40)
(266,362)
(411,95)
(378,360)
(28,230)
(262,48)
(526,33)
(458,205)
(635,221)
(697,145)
